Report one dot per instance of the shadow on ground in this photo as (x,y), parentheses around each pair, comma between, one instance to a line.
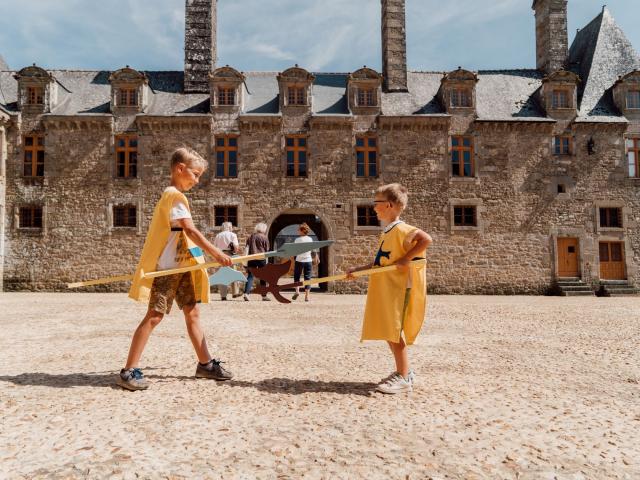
(271,385)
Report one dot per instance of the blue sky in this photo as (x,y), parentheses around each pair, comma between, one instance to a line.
(321,35)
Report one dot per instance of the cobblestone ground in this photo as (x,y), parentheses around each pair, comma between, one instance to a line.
(507,387)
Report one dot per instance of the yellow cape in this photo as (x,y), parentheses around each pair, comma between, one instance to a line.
(383,316)
(155,243)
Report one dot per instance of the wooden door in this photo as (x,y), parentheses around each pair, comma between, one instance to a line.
(612,261)
(568,257)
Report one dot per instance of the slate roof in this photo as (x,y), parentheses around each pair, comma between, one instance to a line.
(599,54)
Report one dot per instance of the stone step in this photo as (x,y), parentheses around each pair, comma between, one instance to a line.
(576,288)
(569,279)
(571,284)
(581,293)
(606,283)
(619,294)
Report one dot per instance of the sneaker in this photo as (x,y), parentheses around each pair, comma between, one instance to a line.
(411,377)
(246,298)
(295,296)
(236,295)
(213,370)
(223,299)
(396,384)
(266,299)
(132,379)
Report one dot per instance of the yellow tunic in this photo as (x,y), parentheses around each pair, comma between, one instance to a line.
(383,316)
(155,243)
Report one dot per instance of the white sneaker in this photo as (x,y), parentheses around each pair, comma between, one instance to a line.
(396,384)
(411,377)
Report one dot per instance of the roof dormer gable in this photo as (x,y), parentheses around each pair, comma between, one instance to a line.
(626,94)
(458,91)
(129,91)
(559,93)
(226,87)
(37,90)
(364,90)
(295,88)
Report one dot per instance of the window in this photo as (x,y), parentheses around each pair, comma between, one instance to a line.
(126,156)
(367,216)
(560,99)
(611,217)
(366,156)
(562,145)
(367,97)
(633,99)
(30,217)
(633,156)
(296,149)
(225,214)
(295,96)
(227,156)
(562,188)
(462,157)
(464,216)
(124,216)
(35,96)
(460,97)
(128,97)
(226,96)
(33,156)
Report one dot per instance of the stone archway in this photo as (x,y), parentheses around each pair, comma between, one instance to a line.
(296,217)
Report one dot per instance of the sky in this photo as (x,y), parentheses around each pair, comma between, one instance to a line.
(272,35)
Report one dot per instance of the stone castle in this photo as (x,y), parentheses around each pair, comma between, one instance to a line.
(523,177)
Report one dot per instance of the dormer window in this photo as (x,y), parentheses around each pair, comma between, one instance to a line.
(37,90)
(129,91)
(560,99)
(35,96)
(461,98)
(364,89)
(128,97)
(294,86)
(458,91)
(226,88)
(633,99)
(295,96)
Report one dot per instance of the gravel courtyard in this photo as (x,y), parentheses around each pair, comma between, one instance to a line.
(507,387)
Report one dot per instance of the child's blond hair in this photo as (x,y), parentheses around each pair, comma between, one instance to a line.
(394,193)
(189,157)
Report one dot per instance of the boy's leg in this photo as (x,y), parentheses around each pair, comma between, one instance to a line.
(141,336)
(401,357)
(196,333)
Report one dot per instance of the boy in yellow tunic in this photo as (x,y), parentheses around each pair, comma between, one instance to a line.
(174,241)
(396,300)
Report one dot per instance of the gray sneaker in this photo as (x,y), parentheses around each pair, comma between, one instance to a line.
(213,370)
(411,377)
(132,379)
(396,384)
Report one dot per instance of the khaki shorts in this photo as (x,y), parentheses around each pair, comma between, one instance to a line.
(165,290)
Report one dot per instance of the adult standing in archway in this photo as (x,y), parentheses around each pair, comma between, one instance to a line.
(258,242)
(304,261)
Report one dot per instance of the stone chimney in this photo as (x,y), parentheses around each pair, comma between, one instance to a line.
(394,46)
(200,52)
(552,40)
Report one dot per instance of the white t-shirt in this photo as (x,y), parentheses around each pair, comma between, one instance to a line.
(303,257)
(224,239)
(167,259)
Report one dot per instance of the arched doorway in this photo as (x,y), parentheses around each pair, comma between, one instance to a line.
(286,225)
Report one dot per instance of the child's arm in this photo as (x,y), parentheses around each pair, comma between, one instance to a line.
(194,234)
(420,241)
(357,269)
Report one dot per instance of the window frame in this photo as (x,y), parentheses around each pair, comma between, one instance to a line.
(226,150)
(366,149)
(366,97)
(296,150)
(628,97)
(464,216)
(607,218)
(32,209)
(557,141)
(126,215)
(557,105)
(461,97)
(34,95)
(226,96)
(369,216)
(633,149)
(127,150)
(37,147)
(128,97)
(461,148)
(298,94)
(226,217)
